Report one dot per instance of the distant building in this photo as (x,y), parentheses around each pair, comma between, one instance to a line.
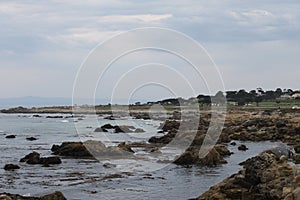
(285,96)
(296,95)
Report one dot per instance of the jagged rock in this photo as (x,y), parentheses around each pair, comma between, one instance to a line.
(170,125)
(222,150)
(91,149)
(34,158)
(53,196)
(10,167)
(191,156)
(263,177)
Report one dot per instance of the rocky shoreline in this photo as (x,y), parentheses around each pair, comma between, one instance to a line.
(266,176)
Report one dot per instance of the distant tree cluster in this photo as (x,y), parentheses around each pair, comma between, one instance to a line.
(240,97)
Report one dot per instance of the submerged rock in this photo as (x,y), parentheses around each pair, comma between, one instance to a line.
(119,129)
(31,138)
(10,167)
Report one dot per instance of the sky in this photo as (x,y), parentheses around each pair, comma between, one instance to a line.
(44,43)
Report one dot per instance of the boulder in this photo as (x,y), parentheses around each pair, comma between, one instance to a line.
(10,136)
(34,158)
(72,149)
(8,167)
(243,147)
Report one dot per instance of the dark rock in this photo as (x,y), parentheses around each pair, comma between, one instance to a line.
(107,126)
(109,165)
(170,125)
(10,136)
(54,117)
(233,143)
(73,149)
(222,150)
(166,139)
(32,158)
(110,117)
(53,196)
(11,167)
(31,138)
(36,116)
(242,147)
(125,147)
(297,149)
(100,130)
(53,160)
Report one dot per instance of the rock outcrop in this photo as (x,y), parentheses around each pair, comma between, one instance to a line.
(265,176)
(53,196)
(35,158)
(91,149)
(9,167)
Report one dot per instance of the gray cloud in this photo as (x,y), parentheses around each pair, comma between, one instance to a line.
(51,38)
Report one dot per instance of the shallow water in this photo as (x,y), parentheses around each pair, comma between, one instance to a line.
(85,179)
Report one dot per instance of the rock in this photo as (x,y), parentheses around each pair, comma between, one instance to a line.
(139,130)
(109,165)
(107,126)
(36,116)
(54,196)
(54,117)
(10,167)
(34,158)
(191,156)
(262,177)
(170,125)
(53,160)
(92,149)
(222,150)
(243,147)
(297,149)
(124,147)
(233,143)
(111,117)
(31,138)
(10,136)
(166,139)
(100,130)
(296,158)
(72,149)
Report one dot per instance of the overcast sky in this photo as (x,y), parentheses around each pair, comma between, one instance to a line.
(43,43)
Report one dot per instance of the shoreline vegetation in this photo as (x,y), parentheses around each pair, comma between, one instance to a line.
(269,175)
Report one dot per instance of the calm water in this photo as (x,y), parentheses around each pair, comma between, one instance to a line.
(84,179)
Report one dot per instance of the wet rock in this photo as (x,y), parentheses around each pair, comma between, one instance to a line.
(37,116)
(233,143)
(91,149)
(107,126)
(10,167)
(170,125)
(32,158)
(243,147)
(100,130)
(166,139)
(31,138)
(144,116)
(72,149)
(109,165)
(125,147)
(222,150)
(191,157)
(262,177)
(54,117)
(53,196)
(111,117)
(297,148)
(35,158)
(10,136)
